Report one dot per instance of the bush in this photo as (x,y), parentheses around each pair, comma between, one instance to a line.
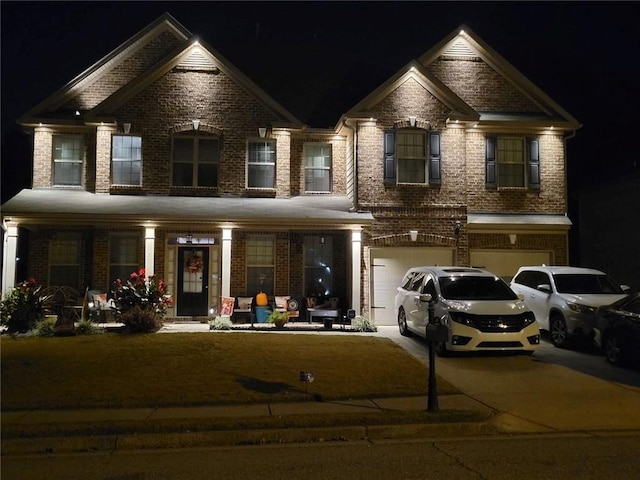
(220,323)
(140,320)
(23,307)
(85,327)
(362,323)
(45,327)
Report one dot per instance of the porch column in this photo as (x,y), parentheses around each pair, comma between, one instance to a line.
(10,253)
(149,250)
(226,262)
(356,274)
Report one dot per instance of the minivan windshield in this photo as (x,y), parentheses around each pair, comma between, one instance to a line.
(475,288)
(586,283)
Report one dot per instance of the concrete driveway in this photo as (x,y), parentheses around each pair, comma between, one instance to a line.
(533,395)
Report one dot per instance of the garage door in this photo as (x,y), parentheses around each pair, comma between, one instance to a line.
(505,263)
(388,266)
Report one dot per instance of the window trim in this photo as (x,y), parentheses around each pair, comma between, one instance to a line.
(313,168)
(77,161)
(249,164)
(432,158)
(531,163)
(113,159)
(195,138)
(272,266)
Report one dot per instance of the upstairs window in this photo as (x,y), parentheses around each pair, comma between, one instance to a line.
(196,161)
(512,162)
(317,167)
(126,157)
(412,157)
(261,164)
(68,154)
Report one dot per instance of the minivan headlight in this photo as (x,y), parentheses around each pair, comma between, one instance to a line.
(576,307)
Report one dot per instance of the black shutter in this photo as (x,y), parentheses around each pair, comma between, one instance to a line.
(435,171)
(491,164)
(534,163)
(389,160)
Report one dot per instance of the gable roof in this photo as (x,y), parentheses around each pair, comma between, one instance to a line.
(189,53)
(463,42)
(416,71)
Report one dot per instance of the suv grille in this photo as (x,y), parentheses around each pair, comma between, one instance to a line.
(494,323)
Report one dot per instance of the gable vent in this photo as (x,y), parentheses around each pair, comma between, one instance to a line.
(197,60)
(460,48)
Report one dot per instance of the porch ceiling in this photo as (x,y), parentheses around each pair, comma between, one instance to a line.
(67,207)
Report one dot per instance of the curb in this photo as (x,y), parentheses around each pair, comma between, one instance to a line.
(50,445)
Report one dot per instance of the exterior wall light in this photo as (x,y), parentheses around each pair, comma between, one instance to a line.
(412,121)
(262,131)
(126,127)
(414,235)
(196,124)
(512,238)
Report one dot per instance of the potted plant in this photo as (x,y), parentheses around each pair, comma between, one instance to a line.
(278,318)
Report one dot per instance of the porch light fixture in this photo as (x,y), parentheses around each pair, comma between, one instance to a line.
(414,235)
(457,227)
(126,127)
(512,238)
(196,124)
(262,131)
(412,121)
(189,238)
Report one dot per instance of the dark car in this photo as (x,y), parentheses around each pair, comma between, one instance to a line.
(619,328)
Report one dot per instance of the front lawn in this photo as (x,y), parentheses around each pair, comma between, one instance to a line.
(180,369)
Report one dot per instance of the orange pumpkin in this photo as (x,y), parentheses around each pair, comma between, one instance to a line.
(262,300)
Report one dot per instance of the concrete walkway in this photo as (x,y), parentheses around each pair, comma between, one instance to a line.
(526,396)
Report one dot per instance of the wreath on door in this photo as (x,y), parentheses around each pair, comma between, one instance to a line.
(194,263)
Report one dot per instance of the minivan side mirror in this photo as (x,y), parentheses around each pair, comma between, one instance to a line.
(625,288)
(425,297)
(544,288)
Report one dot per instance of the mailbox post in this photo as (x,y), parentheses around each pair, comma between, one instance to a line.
(436,332)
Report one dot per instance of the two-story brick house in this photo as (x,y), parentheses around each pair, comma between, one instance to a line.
(164,155)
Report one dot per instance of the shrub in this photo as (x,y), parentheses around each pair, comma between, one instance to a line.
(141,320)
(45,327)
(23,307)
(220,323)
(363,323)
(86,327)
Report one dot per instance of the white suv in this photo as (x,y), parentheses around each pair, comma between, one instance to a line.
(565,299)
(478,308)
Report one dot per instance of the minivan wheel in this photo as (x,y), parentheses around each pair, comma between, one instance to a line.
(558,331)
(613,349)
(402,323)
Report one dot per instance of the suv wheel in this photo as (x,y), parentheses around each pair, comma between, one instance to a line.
(558,331)
(613,349)
(402,323)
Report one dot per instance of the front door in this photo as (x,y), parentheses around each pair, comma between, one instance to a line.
(193,286)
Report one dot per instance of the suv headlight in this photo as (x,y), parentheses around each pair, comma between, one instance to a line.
(529,318)
(576,307)
(461,318)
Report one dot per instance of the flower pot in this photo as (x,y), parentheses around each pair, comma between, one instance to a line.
(328,323)
(262,313)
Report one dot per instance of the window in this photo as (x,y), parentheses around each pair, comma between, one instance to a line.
(68,152)
(195,161)
(317,163)
(126,155)
(261,164)
(412,156)
(512,162)
(318,265)
(260,264)
(64,261)
(123,256)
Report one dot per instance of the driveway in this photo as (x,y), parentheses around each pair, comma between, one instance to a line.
(532,394)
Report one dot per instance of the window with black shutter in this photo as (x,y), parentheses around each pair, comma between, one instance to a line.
(512,162)
(412,157)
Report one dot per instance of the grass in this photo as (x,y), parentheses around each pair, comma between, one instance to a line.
(189,369)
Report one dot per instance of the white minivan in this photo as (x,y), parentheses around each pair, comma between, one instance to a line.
(478,308)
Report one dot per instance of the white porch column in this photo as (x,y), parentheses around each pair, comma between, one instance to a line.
(225,289)
(149,250)
(356,274)
(9,258)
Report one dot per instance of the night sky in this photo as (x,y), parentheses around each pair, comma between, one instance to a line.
(318,59)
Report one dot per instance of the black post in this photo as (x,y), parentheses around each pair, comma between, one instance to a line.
(432,391)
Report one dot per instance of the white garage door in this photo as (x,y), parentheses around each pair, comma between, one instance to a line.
(388,266)
(505,263)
